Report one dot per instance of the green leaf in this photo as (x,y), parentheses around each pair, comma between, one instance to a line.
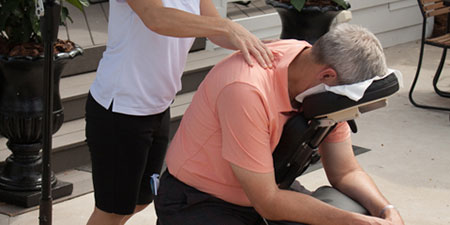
(70,18)
(64,15)
(78,3)
(342,3)
(298,4)
(85,3)
(34,21)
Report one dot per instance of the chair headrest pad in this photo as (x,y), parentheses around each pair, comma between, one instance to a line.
(328,102)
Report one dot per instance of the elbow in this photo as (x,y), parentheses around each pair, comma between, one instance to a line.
(151,16)
(154,23)
(334,182)
(339,181)
(157,29)
(267,209)
(267,213)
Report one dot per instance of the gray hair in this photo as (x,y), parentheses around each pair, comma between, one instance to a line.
(352,51)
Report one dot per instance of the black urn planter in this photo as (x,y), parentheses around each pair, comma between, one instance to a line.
(309,24)
(21,117)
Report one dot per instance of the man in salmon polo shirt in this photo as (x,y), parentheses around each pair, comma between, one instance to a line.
(220,167)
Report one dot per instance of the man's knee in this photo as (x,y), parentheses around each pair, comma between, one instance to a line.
(337,199)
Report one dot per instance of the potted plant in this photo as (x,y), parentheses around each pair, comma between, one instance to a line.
(21,87)
(307,19)
(20,34)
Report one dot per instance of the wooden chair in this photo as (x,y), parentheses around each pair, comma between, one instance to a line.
(430,8)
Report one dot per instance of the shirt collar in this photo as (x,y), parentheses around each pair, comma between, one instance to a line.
(284,57)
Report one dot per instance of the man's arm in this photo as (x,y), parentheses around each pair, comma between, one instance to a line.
(275,204)
(224,32)
(246,146)
(345,174)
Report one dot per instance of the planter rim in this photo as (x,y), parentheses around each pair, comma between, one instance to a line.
(306,9)
(60,56)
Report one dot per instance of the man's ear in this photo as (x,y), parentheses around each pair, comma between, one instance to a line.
(328,76)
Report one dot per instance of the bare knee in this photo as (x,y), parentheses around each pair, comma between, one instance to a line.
(100,217)
(140,208)
(136,210)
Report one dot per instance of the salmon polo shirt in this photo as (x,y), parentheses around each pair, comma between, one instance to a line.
(236,116)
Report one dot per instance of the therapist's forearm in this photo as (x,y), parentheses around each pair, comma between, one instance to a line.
(177,23)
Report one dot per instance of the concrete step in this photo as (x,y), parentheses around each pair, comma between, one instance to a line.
(69,146)
(88,62)
(74,89)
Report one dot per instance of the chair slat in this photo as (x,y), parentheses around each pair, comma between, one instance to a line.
(438,12)
(433,6)
(441,40)
(428,1)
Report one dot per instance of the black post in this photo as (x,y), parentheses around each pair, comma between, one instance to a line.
(49,37)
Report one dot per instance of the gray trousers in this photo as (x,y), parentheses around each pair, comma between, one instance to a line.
(330,196)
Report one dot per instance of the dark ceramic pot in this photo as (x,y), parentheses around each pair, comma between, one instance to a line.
(21,114)
(309,24)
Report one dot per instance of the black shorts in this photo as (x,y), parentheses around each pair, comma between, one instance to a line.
(125,152)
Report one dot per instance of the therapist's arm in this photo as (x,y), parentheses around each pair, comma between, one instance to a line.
(224,32)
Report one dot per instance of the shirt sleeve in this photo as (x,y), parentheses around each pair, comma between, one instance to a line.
(339,134)
(244,125)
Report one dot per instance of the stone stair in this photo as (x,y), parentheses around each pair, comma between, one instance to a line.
(70,156)
(88,30)
(69,147)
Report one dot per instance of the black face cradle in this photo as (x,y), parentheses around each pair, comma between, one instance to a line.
(303,133)
(327,102)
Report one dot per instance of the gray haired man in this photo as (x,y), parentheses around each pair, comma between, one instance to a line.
(220,166)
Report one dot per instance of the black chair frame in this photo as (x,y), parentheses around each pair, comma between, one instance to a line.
(303,133)
(428,9)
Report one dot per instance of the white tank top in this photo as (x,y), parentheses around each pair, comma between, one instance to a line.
(140,70)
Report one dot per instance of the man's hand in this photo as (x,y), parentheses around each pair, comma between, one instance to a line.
(369,220)
(394,216)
